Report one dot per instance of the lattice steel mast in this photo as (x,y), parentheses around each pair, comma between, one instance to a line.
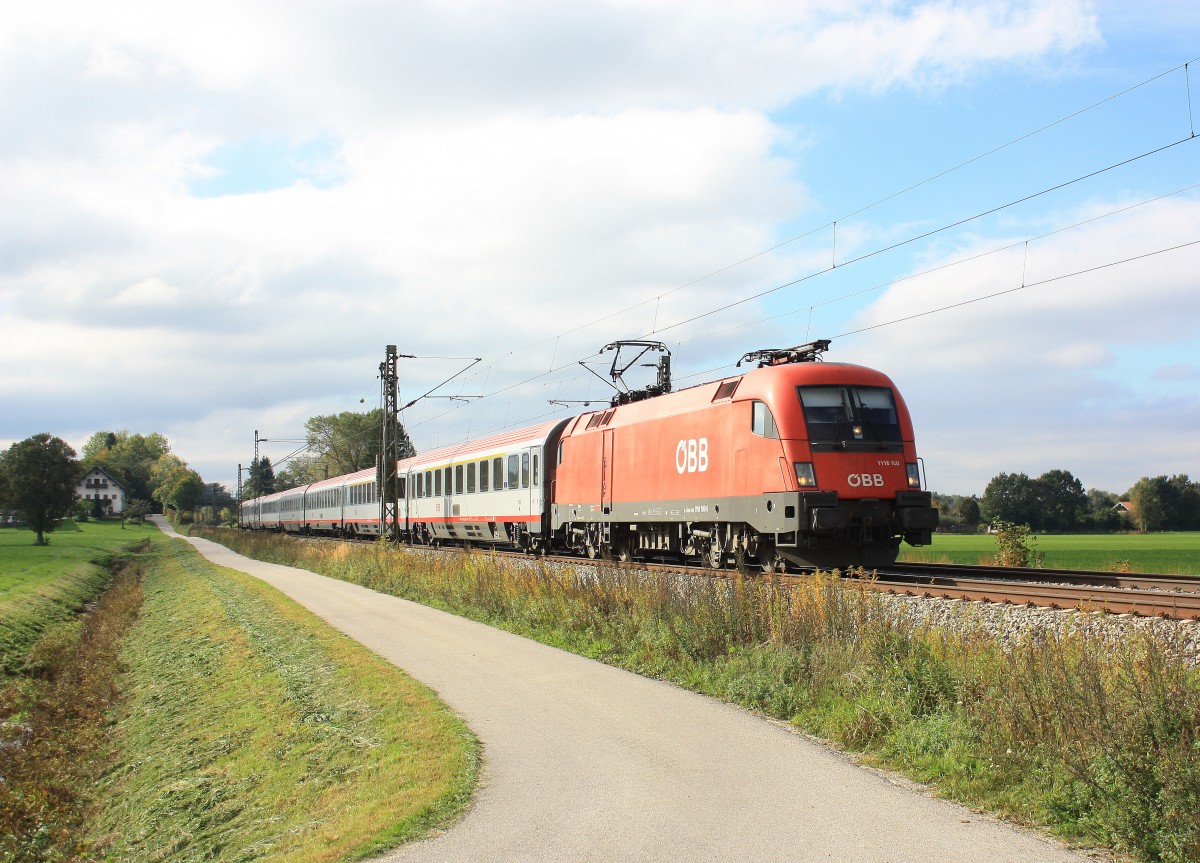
(389,451)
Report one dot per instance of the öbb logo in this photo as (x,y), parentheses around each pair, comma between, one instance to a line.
(865,480)
(691,456)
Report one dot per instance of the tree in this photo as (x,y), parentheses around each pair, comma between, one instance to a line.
(1062,500)
(39,476)
(968,511)
(1102,510)
(1148,497)
(137,509)
(174,483)
(1012,498)
(98,445)
(261,480)
(128,457)
(343,443)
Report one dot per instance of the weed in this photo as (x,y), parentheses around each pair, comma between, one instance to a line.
(1100,744)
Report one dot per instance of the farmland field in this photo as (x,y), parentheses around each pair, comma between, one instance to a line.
(1177,553)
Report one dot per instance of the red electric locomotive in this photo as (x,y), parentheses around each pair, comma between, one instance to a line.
(796,461)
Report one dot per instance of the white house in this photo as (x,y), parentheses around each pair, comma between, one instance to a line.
(97,484)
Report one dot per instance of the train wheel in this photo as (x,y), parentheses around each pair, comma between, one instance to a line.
(770,560)
(623,550)
(714,555)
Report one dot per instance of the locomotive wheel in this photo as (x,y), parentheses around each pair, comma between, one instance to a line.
(714,556)
(770,560)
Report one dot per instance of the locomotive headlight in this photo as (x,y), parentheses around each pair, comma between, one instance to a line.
(805,478)
(914,475)
(858,433)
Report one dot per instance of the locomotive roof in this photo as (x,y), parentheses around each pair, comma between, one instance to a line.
(766,383)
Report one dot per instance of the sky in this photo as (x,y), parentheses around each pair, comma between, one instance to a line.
(215,217)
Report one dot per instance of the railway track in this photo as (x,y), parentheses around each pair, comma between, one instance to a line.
(1143,595)
(1146,595)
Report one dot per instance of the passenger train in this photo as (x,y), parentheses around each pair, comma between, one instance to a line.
(796,462)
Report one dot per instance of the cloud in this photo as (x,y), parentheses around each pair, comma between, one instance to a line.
(1065,373)
(224,212)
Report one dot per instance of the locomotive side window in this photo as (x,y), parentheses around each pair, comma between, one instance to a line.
(842,414)
(514,472)
(762,422)
(483,475)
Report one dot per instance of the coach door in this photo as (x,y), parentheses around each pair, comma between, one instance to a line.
(537,497)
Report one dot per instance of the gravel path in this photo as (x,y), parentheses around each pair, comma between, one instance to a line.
(584,762)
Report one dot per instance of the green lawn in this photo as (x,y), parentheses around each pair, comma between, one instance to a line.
(1177,553)
(44,585)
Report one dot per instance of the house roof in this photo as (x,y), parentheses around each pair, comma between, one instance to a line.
(98,469)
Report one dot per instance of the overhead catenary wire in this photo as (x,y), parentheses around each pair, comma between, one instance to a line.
(488,368)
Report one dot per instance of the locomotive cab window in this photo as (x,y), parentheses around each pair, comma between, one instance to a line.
(848,415)
(762,422)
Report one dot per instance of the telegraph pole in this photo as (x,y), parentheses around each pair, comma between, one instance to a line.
(389,451)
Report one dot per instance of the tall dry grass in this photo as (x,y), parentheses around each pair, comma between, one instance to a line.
(1098,742)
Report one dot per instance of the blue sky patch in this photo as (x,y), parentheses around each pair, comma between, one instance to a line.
(265,164)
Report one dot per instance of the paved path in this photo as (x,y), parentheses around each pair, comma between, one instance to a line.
(584,762)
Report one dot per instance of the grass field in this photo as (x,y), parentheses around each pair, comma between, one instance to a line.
(253,731)
(41,586)
(1176,553)
(194,713)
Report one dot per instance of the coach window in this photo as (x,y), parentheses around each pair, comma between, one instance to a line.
(437,483)
(420,485)
(449,473)
(403,487)
(458,479)
(535,469)
(524,470)
(483,475)
(471,478)
(514,472)
(761,421)
(498,473)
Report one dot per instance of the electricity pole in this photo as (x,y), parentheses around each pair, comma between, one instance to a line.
(389,451)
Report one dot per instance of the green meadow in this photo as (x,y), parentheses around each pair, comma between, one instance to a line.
(1174,553)
(155,707)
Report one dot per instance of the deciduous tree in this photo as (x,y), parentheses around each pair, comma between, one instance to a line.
(37,479)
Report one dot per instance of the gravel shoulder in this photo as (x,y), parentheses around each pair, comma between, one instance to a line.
(586,762)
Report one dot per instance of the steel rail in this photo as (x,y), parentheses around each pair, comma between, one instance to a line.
(1150,581)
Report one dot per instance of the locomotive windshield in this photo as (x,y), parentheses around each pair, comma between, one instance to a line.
(850,417)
